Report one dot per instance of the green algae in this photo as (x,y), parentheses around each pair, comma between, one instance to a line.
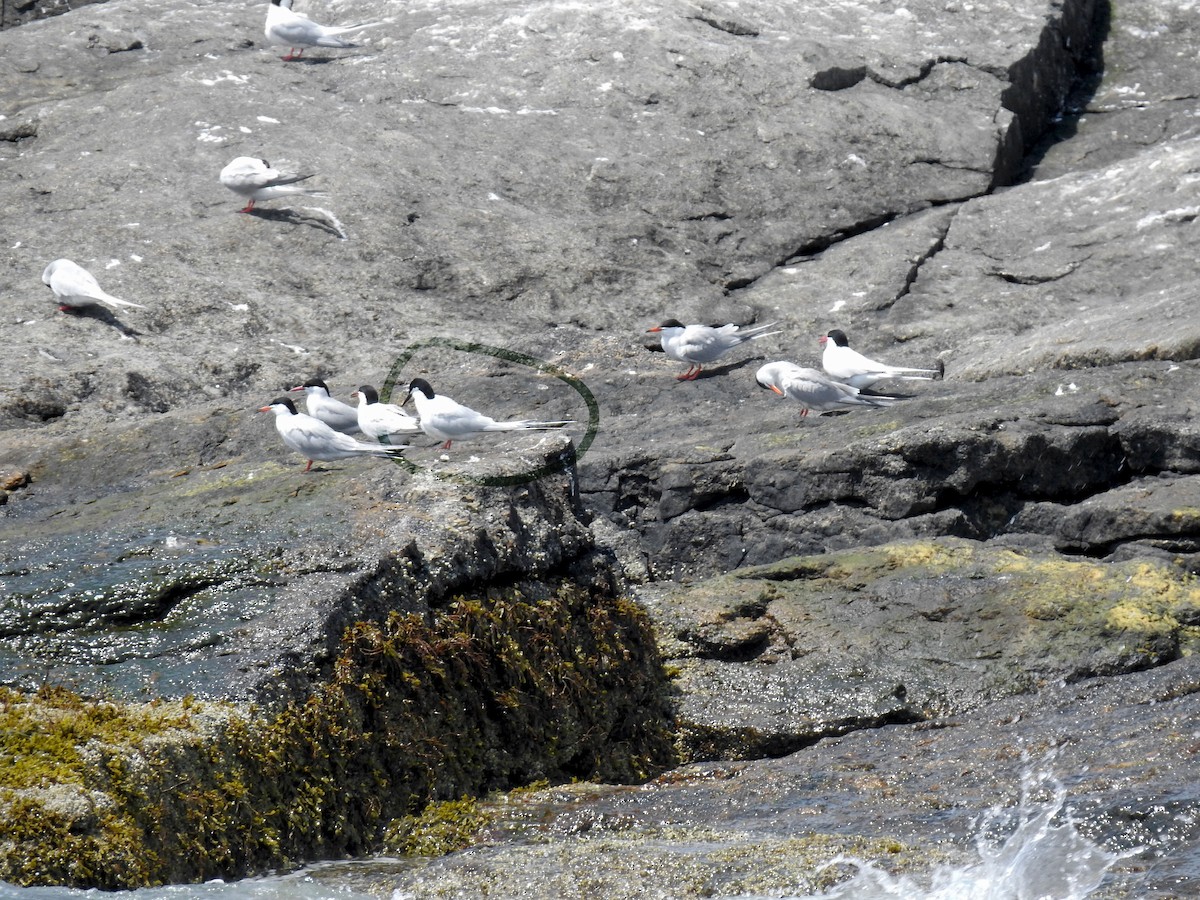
(956,623)
(479,695)
(582,839)
(439,829)
(43,736)
(56,752)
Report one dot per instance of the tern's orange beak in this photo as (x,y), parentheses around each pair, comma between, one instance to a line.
(776,390)
(655,328)
(264,409)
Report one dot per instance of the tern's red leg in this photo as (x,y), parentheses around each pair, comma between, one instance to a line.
(803,413)
(690,374)
(446,446)
(309,466)
(292,54)
(249,206)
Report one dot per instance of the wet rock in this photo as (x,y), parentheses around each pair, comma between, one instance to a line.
(477,695)
(234,578)
(11,481)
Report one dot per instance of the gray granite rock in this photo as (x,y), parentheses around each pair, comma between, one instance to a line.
(545,181)
(515,193)
(773,658)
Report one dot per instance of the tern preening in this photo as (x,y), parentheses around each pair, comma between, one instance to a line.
(843,364)
(314,440)
(700,344)
(320,404)
(75,286)
(813,390)
(255,180)
(291,29)
(378,420)
(446,420)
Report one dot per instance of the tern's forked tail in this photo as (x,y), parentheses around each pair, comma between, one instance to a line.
(527,425)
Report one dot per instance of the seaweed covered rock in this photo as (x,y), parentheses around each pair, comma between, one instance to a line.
(234,574)
(482,694)
(322,651)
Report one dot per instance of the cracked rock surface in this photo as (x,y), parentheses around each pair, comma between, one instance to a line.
(1010,191)
(541,184)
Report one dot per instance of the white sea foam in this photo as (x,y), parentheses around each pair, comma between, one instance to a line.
(1042,856)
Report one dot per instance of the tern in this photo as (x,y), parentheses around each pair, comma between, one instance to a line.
(377,420)
(315,440)
(843,364)
(291,29)
(699,344)
(813,389)
(74,286)
(446,420)
(255,180)
(321,405)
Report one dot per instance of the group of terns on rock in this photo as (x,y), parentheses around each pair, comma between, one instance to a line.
(844,383)
(326,431)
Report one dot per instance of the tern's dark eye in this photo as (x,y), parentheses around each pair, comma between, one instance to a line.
(266,164)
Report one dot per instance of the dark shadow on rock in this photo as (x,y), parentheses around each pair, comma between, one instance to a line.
(18,13)
(312,60)
(293,217)
(728,368)
(1088,77)
(101,314)
(894,395)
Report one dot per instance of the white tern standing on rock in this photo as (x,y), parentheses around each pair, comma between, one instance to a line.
(378,420)
(291,29)
(446,420)
(843,364)
(699,344)
(314,440)
(813,390)
(320,404)
(74,286)
(255,180)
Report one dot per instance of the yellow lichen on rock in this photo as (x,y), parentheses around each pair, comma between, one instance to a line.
(1129,615)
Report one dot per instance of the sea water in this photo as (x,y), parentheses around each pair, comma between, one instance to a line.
(296,886)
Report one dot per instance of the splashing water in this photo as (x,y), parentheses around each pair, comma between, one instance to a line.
(1039,860)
